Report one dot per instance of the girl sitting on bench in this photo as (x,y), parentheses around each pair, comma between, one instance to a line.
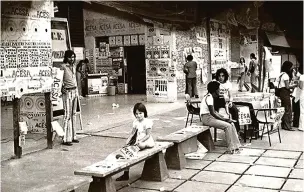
(141,133)
(212,118)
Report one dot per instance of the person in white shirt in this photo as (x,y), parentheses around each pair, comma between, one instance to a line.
(212,118)
(301,86)
(225,97)
(284,94)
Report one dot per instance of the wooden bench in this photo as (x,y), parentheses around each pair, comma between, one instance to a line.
(185,141)
(155,168)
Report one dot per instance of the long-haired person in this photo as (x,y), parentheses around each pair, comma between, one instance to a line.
(284,93)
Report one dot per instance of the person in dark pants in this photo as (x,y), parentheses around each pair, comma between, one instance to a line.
(83,69)
(190,70)
(284,94)
(225,97)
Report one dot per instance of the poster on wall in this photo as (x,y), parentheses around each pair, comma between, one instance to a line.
(32,111)
(26,49)
(118,40)
(127,40)
(112,41)
(141,39)
(161,88)
(219,38)
(134,40)
(60,39)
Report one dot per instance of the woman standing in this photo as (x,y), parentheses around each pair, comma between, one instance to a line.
(253,72)
(301,86)
(243,71)
(284,93)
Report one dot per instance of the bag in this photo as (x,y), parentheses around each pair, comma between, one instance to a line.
(133,139)
(277,89)
(186,70)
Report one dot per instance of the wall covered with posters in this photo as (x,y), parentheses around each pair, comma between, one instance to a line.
(160,65)
(220,45)
(193,42)
(26,52)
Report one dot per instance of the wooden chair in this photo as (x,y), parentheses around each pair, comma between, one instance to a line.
(191,110)
(269,117)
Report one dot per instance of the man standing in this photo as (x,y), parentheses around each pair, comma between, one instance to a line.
(253,72)
(190,70)
(69,94)
(82,70)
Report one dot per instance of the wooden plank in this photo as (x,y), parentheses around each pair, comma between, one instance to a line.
(49,119)
(183,134)
(100,169)
(16,119)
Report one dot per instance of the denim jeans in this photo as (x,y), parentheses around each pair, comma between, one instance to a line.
(229,128)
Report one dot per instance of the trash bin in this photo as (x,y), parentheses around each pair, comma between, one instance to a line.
(111,90)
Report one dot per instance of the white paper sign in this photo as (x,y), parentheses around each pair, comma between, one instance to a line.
(244,115)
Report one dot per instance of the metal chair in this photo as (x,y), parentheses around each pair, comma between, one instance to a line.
(272,117)
(191,110)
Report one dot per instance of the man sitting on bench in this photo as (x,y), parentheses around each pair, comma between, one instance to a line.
(212,118)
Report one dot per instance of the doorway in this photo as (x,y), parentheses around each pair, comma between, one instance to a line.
(136,69)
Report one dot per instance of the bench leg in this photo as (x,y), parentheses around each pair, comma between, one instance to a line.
(155,168)
(189,145)
(105,184)
(175,157)
(205,139)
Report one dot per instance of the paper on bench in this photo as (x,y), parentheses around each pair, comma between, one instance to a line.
(193,128)
(199,154)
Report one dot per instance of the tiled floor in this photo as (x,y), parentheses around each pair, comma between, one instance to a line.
(254,170)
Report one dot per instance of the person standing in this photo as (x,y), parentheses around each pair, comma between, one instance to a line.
(69,97)
(190,69)
(301,86)
(284,94)
(82,70)
(253,72)
(243,71)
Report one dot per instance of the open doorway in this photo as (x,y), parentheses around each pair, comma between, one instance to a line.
(136,69)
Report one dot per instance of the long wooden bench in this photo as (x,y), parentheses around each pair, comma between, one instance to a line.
(185,141)
(155,168)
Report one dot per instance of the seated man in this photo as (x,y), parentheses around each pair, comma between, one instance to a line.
(212,118)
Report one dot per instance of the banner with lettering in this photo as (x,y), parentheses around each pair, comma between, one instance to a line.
(25,52)
(59,44)
(60,40)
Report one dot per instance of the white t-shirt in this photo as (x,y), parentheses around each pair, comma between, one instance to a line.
(224,88)
(284,78)
(302,90)
(204,104)
(142,127)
